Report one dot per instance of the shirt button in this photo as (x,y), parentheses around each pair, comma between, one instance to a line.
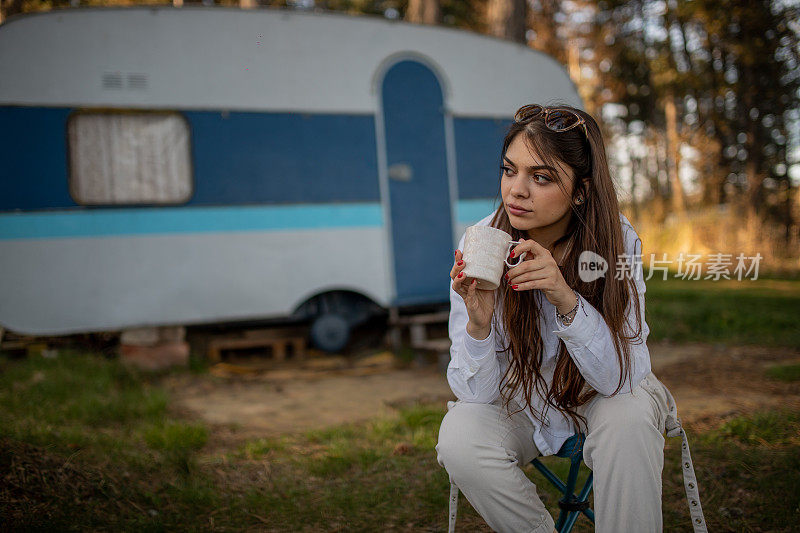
(473,368)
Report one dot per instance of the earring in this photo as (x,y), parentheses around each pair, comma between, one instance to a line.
(580,199)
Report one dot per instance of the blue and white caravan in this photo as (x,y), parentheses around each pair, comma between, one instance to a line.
(179,166)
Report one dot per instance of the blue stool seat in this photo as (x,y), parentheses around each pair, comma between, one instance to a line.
(571,506)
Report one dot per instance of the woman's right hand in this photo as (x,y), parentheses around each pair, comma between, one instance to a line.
(479,302)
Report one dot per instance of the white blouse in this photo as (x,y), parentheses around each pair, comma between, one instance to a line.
(476,368)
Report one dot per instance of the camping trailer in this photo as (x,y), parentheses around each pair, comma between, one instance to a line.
(178,166)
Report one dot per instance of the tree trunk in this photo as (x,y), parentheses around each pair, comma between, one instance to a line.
(754,186)
(655,159)
(424,11)
(9,8)
(788,219)
(544,25)
(674,155)
(507,19)
(637,168)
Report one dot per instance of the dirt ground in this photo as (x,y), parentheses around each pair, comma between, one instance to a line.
(250,397)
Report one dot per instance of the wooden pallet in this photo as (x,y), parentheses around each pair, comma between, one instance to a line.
(17,343)
(418,331)
(277,340)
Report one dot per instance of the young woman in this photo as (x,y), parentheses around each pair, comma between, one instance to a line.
(552,350)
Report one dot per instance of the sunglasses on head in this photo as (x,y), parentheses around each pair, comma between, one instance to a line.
(555,118)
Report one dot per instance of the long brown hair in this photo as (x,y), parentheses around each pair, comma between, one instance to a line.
(594,225)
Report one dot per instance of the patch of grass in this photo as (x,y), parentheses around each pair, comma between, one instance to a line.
(110,424)
(340,459)
(74,400)
(336,433)
(422,417)
(767,428)
(380,475)
(360,476)
(172,436)
(745,485)
(198,363)
(177,442)
(758,311)
(195,492)
(786,372)
(260,447)
(405,356)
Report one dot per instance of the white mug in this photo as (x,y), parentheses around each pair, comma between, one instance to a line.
(486,249)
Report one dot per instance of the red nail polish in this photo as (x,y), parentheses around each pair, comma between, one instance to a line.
(514,286)
(460,263)
(506,275)
(512,254)
(460,274)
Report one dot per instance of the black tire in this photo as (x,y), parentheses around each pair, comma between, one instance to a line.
(330,332)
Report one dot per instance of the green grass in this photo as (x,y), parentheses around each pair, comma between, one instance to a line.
(785,372)
(770,428)
(76,400)
(137,468)
(177,442)
(762,311)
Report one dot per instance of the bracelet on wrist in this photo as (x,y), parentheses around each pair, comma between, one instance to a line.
(567,317)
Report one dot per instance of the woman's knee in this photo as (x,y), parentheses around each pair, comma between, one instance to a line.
(463,435)
(624,427)
(454,443)
(624,413)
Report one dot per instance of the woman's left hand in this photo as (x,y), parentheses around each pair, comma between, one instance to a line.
(540,271)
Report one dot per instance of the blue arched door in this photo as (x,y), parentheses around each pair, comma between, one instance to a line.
(414,122)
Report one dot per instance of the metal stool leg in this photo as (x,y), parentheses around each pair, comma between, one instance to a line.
(571,506)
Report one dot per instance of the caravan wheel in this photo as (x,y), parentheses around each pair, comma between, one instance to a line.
(330,332)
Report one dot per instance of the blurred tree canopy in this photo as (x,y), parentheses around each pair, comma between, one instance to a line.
(705,93)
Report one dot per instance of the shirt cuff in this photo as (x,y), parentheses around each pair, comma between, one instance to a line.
(479,349)
(583,327)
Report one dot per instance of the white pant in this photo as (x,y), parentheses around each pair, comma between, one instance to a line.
(484,450)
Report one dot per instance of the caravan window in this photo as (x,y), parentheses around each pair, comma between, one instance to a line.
(129,158)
